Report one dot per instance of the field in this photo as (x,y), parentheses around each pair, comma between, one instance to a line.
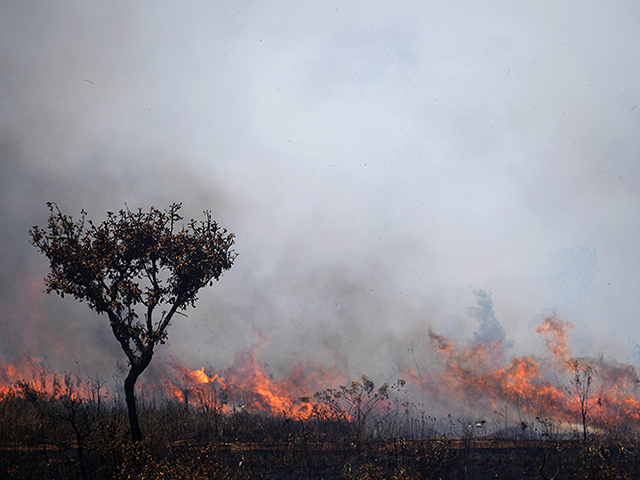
(353,433)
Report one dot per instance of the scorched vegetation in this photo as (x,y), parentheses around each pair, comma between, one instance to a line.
(70,428)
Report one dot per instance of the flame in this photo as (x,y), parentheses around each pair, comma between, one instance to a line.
(556,340)
(470,375)
(30,375)
(245,385)
(258,391)
(26,369)
(200,376)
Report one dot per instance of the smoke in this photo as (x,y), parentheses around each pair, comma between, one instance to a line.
(489,329)
(383,169)
(577,268)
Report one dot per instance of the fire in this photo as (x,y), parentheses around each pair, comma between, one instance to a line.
(26,369)
(201,376)
(30,375)
(244,384)
(471,376)
(556,341)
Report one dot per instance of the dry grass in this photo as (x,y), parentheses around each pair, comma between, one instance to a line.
(39,437)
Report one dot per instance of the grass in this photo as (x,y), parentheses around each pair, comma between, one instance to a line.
(356,432)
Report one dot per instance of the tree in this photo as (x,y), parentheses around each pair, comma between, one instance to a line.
(581,383)
(129,266)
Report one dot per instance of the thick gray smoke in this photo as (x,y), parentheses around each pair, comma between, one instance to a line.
(383,166)
(489,328)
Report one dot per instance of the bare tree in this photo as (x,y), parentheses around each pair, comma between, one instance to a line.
(127,267)
(581,383)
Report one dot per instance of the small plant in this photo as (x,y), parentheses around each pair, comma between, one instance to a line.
(120,456)
(580,391)
(551,461)
(43,401)
(366,471)
(81,419)
(359,406)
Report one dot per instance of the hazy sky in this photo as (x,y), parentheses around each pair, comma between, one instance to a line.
(384,165)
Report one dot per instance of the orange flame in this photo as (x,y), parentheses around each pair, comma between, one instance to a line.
(244,384)
(258,391)
(26,369)
(29,375)
(556,340)
(471,376)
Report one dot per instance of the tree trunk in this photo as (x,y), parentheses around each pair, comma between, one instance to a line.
(130,396)
(79,441)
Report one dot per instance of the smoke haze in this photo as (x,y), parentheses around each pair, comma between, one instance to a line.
(387,169)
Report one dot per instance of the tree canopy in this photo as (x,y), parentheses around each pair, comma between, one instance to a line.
(131,264)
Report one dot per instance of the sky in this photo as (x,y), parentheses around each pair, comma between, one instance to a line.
(386,167)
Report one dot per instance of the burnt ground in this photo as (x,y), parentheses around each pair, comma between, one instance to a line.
(395,459)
